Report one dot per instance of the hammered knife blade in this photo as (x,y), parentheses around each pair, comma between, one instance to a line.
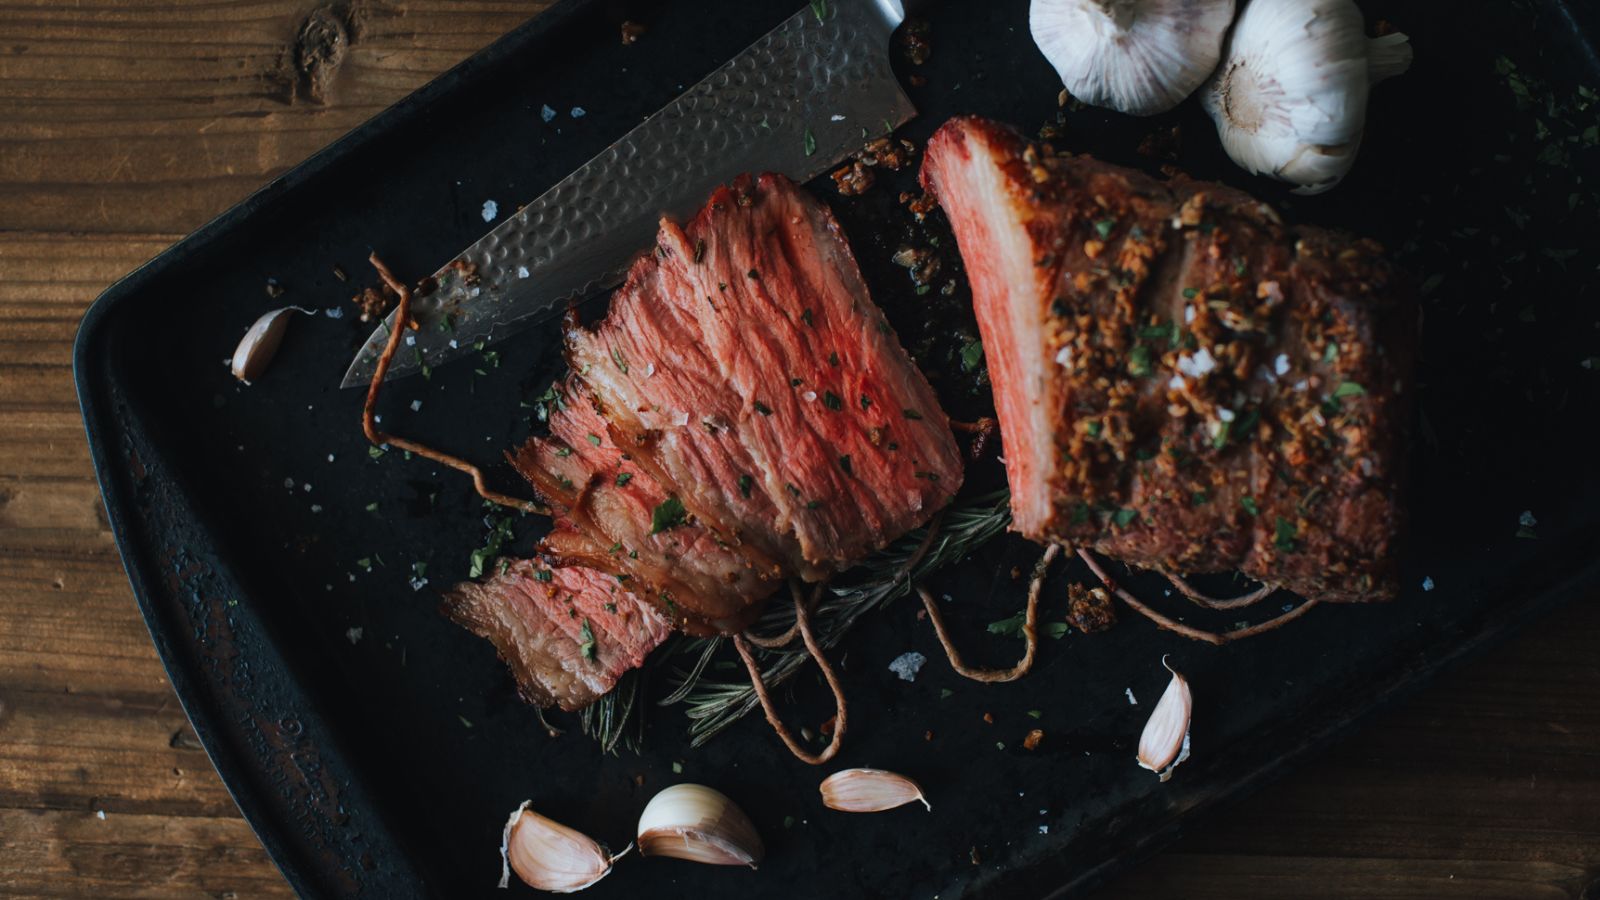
(797,101)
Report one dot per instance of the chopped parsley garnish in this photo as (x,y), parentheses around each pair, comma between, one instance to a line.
(866,402)
(563,452)
(911,414)
(1190,293)
(1056,631)
(819,8)
(832,401)
(833,359)
(373,506)
(1104,226)
(762,408)
(810,142)
(542,575)
(1284,535)
(752,274)
(971,356)
(1124,517)
(499,535)
(1080,513)
(1094,429)
(1199,498)
(1348,389)
(623,478)
(1139,362)
(586,647)
(745,481)
(375,451)
(844,463)
(813,504)
(1249,504)
(791,489)
(1330,353)
(669,514)
(805,316)
(1011,627)
(616,357)
(594,439)
(1221,438)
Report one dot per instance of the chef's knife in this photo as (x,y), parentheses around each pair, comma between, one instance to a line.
(797,101)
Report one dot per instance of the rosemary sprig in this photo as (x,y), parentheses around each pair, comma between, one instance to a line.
(615,718)
(714,705)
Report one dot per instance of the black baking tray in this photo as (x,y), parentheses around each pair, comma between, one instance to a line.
(382,762)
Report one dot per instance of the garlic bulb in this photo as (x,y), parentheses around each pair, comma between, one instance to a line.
(1140,57)
(1290,98)
(870,790)
(550,856)
(694,822)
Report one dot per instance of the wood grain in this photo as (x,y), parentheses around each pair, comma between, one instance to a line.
(124,124)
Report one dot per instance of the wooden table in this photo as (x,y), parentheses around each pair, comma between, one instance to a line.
(124,124)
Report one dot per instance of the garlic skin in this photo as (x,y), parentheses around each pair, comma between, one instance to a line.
(1139,57)
(1164,745)
(697,823)
(1290,98)
(550,856)
(870,790)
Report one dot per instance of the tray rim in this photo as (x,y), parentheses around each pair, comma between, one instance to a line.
(1503,622)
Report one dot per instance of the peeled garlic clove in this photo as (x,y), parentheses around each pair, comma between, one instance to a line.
(550,856)
(869,790)
(694,822)
(259,343)
(1140,57)
(1290,98)
(1165,742)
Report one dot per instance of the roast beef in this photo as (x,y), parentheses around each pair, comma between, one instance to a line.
(743,414)
(1183,382)
(566,632)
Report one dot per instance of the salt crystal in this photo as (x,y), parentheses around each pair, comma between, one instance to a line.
(1281,364)
(353,635)
(836,118)
(1064,357)
(1526,520)
(906,665)
(522,271)
(289,483)
(546,113)
(1044,829)
(334,312)
(1197,364)
(490,210)
(1131,701)
(1427,584)
(316,507)
(411,340)
(100,814)
(579,112)
(1225,414)
(416,405)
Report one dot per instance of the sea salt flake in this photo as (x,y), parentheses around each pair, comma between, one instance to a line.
(490,210)
(411,340)
(353,635)
(334,312)
(1225,414)
(416,405)
(1427,583)
(1197,364)
(546,113)
(906,665)
(522,271)
(1131,701)
(1044,829)
(1526,520)
(836,118)
(579,112)
(1064,357)
(1281,364)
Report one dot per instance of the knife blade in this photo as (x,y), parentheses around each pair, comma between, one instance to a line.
(796,101)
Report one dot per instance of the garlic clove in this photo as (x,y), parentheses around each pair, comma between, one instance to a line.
(694,822)
(259,343)
(870,790)
(1140,57)
(1290,97)
(550,856)
(1165,741)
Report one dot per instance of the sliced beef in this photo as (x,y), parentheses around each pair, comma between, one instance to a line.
(1183,382)
(567,632)
(745,368)
(699,579)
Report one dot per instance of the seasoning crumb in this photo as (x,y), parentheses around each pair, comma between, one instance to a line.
(353,635)
(631,32)
(907,665)
(1427,583)
(491,209)
(1031,742)
(989,718)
